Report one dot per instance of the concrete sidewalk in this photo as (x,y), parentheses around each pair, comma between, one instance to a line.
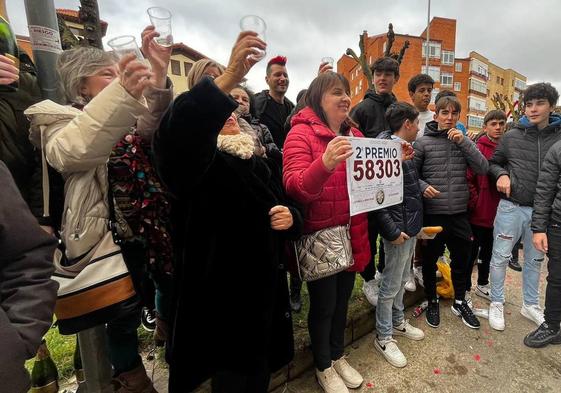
(455,358)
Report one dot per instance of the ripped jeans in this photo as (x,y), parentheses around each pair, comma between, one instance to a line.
(512,222)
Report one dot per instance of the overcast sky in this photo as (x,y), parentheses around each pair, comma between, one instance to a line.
(519,34)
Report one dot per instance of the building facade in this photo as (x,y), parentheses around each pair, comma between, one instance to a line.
(474,79)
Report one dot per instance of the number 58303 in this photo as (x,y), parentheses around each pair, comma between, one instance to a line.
(369,169)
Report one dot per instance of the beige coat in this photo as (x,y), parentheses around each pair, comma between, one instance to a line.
(78,144)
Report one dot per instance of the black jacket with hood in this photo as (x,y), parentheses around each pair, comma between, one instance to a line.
(407,216)
(520,155)
(547,201)
(370,113)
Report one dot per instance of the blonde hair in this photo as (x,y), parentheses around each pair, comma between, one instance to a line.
(196,73)
(75,65)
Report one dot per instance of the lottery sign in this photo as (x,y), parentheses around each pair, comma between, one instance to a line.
(374,174)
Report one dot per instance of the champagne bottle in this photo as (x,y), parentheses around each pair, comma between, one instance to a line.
(44,376)
(78,368)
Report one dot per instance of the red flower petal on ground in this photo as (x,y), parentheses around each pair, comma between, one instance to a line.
(370,385)
(489,343)
(437,371)
(477,358)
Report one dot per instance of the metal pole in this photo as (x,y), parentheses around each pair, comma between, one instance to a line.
(428,38)
(97,368)
(45,40)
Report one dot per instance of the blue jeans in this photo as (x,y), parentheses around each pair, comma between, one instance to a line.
(389,311)
(511,224)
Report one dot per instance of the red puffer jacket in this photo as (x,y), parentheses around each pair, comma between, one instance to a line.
(483,195)
(322,193)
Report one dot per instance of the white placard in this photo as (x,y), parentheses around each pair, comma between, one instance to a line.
(374,174)
(43,38)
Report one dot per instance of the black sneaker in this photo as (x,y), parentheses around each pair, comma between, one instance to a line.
(148,319)
(464,311)
(433,313)
(543,336)
(514,265)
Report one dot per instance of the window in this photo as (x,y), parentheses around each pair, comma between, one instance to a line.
(477,104)
(446,79)
(519,84)
(477,85)
(370,60)
(458,67)
(498,80)
(385,46)
(457,86)
(479,67)
(356,90)
(360,85)
(447,57)
(475,121)
(175,67)
(434,72)
(434,49)
(502,82)
(515,96)
(433,94)
(187,66)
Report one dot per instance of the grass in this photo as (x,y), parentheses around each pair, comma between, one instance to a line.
(62,351)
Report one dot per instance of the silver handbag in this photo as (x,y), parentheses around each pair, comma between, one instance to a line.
(324,253)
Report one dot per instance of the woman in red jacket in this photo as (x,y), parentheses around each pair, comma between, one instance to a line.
(315,175)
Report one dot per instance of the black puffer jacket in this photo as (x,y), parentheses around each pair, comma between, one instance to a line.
(408,216)
(547,201)
(520,154)
(370,113)
(442,164)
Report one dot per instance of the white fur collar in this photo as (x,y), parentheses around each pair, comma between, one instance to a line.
(240,145)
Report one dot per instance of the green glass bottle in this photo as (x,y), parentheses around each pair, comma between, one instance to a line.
(44,376)
(78,368)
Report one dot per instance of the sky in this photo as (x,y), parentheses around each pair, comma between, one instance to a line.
(516,34)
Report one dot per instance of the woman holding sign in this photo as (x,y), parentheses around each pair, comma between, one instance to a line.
(315,152)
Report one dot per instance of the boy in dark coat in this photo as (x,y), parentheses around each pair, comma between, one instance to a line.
(399,226)
(546,226)
(442,156)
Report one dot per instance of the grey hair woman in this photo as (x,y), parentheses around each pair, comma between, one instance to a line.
(99,143)
(202,68)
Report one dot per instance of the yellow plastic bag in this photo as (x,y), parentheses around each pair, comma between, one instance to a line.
(444,287)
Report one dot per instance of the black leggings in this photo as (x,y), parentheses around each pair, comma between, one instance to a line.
(552,312)
(327,318)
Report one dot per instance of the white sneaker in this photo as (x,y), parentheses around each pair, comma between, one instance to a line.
(330,381)
(410,284)
(370,290)
(418,273)
(496,316)
(483,291)
(533,313)
(409,331)
(349,375)
(391,352)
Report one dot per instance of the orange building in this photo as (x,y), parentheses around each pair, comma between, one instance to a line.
(467,77)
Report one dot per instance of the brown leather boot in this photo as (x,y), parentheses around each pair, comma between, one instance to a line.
(134,381)
(161,332)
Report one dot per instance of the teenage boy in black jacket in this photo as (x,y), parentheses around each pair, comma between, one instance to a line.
(546,226)
(398,226)
(516,165)
(370,115)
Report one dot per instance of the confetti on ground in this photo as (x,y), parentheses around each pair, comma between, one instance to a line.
(477,358)
(369,385)
(489,343)
(437,371)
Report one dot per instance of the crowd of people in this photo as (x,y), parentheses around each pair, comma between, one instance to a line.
(210,190)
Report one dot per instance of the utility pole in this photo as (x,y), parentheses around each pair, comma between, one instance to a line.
(45,40)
